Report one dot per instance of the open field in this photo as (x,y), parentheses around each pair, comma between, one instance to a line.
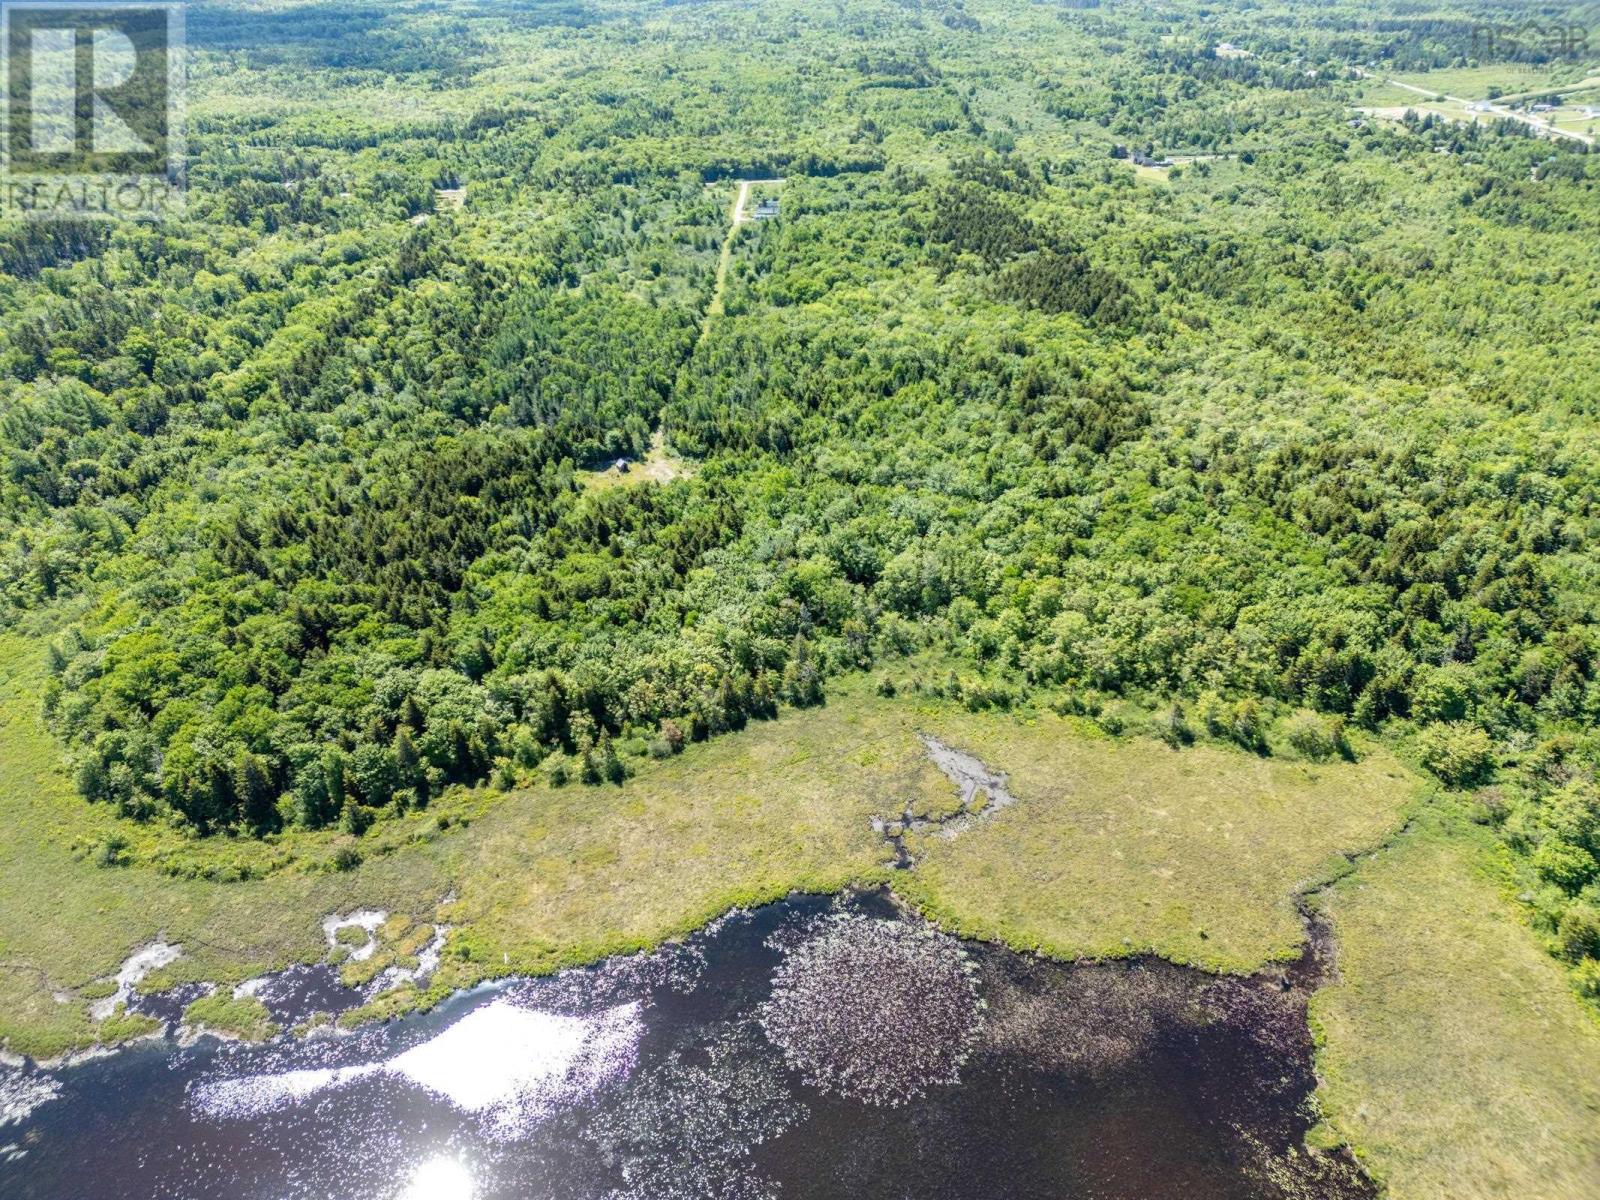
(558,876)
(1513,80)
(1578,88)
(1391,99)
(1454,1055)
(1124,847)
(1151,174)
(1574,118)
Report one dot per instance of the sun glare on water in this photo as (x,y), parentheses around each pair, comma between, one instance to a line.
(440,1179)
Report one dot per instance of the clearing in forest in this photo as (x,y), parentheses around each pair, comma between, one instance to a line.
(740,214)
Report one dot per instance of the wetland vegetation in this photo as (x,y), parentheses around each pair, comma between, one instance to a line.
(1115,561)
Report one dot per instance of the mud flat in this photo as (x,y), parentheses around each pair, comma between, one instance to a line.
(980,794)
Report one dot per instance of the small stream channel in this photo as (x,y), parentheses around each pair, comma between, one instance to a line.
(980,794)
(816,1048)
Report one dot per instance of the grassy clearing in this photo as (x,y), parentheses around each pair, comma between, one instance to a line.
(660,465)
(1511,78)
(1124,847)
(1575,118)
(1570,89)
(1158,175)
(556,876)
(1454,1055)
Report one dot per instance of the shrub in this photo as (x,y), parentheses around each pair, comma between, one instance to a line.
(112,851)
(1242,723)
(355,820)
(1311,737)
(525,749)
(1587,976)
(1213,714)
(1563,864)
(1173,728)
(1579,932)
(610,764)
(1460,755)
(1249,726)
(1076,704)
(346,858)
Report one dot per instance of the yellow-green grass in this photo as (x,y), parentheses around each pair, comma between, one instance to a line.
(1125,847)
(1376,91)
(242,1017)
(1574,118)
(557,876)
(659,465)
(1454,1055)
(1568,91)
(1512,79)
(1151,174)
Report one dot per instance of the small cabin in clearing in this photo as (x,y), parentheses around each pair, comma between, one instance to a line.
(1141,159)
(766,210)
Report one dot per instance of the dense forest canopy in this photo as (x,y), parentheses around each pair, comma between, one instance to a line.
(305,481)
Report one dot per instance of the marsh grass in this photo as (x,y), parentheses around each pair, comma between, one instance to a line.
(1124,846)
(1454,1055)
(243,1017)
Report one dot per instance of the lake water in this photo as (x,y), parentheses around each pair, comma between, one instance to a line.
(814,1048)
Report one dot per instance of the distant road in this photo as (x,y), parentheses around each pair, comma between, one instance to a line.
(1498,110)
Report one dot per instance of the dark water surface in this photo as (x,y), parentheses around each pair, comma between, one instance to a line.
(814,1048)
